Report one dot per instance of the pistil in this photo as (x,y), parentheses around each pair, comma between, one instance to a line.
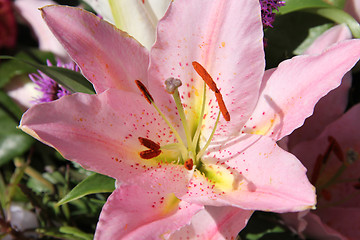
(172,85)
(191,153)
(150,99)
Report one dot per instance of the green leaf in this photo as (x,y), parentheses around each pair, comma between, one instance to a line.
(12,68)
(289,32)
(314,33)
(297,5)
(13,142)
(2,192)
(76,232)
(71,80)
(13,187)
(95,183)
(55,233)
(330,9)
(337,3)
(339,16)
(8,105)
(266,226)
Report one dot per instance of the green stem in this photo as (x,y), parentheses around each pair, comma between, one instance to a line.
(34,174)
(334,178)
(180,109)
(170,126)
(339,16)
(198,129)
(202,151)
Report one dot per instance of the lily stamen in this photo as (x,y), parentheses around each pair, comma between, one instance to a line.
(144,91)
(149,143)
(149,154)
(150,99)
(172,85)
(212,85)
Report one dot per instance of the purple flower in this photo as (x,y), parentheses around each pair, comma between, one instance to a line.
(50,89)
(267,8)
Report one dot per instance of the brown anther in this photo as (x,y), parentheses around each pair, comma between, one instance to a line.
(336,148)
(149,143)
(149,154)
(212,85)
(189,164)
(222,106)
(144,91)
(205,76)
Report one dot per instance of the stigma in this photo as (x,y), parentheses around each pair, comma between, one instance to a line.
(186,152)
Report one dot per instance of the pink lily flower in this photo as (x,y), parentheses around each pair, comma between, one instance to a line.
(182,170)
(331,219)
(333,163)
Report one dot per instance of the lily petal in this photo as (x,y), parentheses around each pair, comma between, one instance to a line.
(269,180)
(310,225)
(286,100)
(138,18)
(215,223)
(113,61)
(346,132)
(341,219)
(337,98)
(213,41)
(101,133)
(134,212)
(333,35)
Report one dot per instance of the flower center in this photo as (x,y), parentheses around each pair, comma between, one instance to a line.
(327,175)
(187,153)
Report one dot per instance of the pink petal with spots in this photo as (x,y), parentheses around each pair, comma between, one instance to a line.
(226,39)
(135,212)
(263,177)
(346,132)
(215,223)
(101,133)
(292,91)
(108,57)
